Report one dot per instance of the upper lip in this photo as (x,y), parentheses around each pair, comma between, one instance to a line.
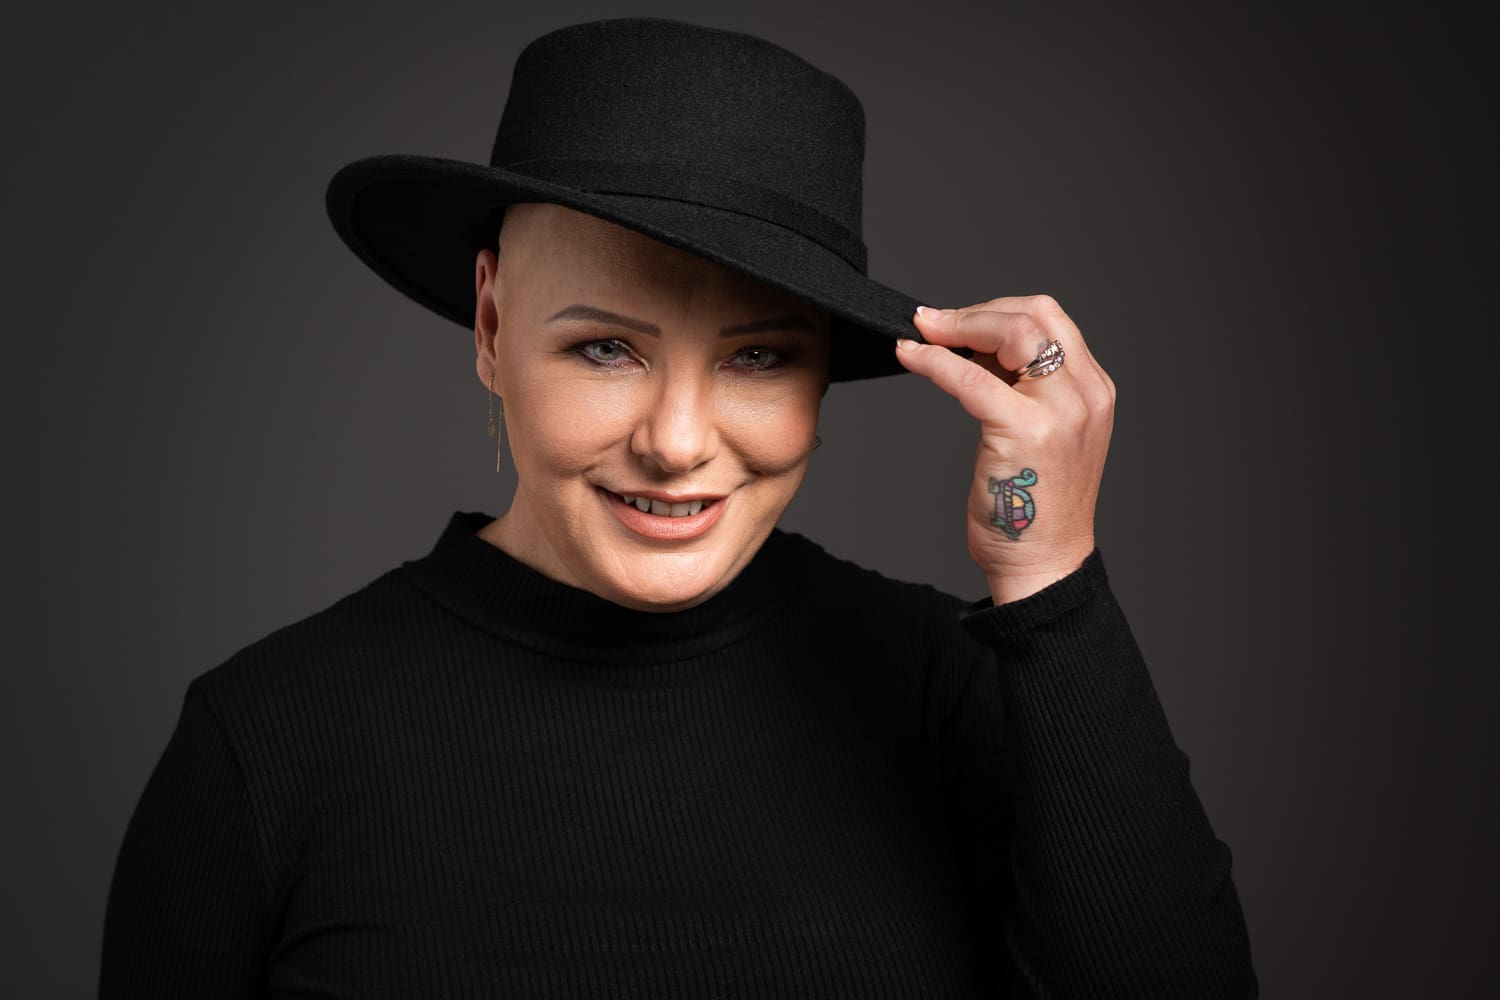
(669,497)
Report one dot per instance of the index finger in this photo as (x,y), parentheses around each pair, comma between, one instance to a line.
(980,392)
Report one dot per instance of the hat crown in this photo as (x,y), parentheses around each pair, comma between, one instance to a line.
(663,108)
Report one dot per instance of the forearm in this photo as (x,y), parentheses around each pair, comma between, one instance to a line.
(1121,887)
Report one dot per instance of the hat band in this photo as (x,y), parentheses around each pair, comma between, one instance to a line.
(699,187)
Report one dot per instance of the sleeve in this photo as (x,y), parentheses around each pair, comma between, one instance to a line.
(187,913)
(1093,867)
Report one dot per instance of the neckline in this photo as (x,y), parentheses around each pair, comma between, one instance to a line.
(491,589)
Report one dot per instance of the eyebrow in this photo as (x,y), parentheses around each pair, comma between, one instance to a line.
(579,311)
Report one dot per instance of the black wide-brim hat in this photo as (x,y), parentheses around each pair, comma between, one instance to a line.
(718,142)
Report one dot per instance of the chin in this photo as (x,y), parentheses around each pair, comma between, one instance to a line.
(665,581)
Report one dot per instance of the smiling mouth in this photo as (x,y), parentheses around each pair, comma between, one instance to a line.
(661,508)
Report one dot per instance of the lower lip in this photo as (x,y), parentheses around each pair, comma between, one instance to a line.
(660,527)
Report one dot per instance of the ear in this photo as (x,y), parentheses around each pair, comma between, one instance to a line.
(486,314)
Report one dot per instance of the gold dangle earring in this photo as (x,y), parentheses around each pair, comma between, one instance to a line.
(492,431)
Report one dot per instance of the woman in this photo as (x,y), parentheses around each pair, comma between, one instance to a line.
(630,737)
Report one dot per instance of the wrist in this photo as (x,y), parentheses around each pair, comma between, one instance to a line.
(1010,587)
(1006,590)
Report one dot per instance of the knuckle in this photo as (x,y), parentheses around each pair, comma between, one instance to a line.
(1029,329)
(1077,409)
(1050,430)
(971,375)
(968,320)
(1045,305)
(1100,407)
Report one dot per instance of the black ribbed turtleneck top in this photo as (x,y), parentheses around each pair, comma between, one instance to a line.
(467,779)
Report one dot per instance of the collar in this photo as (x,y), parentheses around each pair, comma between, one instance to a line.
(494,591)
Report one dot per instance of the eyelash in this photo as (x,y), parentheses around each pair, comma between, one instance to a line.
(782,355)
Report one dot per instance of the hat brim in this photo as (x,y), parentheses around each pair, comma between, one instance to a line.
(418,221)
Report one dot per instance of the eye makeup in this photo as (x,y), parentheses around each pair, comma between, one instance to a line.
(587,348)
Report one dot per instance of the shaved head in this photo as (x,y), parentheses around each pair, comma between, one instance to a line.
(537,238)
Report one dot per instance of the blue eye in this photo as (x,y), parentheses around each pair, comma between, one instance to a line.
(613,352)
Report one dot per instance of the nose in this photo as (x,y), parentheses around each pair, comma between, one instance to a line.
(680,429)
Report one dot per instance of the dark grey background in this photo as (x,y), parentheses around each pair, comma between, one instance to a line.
(1265,224)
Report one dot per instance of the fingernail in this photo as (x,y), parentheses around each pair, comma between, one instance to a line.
(927,312)
(905,343)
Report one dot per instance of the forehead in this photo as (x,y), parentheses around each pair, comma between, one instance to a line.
(566,250)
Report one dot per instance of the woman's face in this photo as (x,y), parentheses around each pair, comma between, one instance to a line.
(631,368)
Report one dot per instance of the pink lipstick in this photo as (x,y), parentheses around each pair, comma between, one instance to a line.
(663,527)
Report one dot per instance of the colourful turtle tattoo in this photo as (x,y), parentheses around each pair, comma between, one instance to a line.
(1014,508)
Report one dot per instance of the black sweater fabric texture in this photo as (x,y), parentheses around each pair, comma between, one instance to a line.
(467,779)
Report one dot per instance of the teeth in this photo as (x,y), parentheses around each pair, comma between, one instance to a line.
(661,509)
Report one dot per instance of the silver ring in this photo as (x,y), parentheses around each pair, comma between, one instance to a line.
(1048,360)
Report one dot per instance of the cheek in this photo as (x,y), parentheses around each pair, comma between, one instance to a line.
(772,429)
(561,427)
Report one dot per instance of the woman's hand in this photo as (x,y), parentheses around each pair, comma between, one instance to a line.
(1042,441)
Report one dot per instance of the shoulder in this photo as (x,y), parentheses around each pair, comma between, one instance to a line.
(843,587)
(904,638)
(315,658)
(299,706)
